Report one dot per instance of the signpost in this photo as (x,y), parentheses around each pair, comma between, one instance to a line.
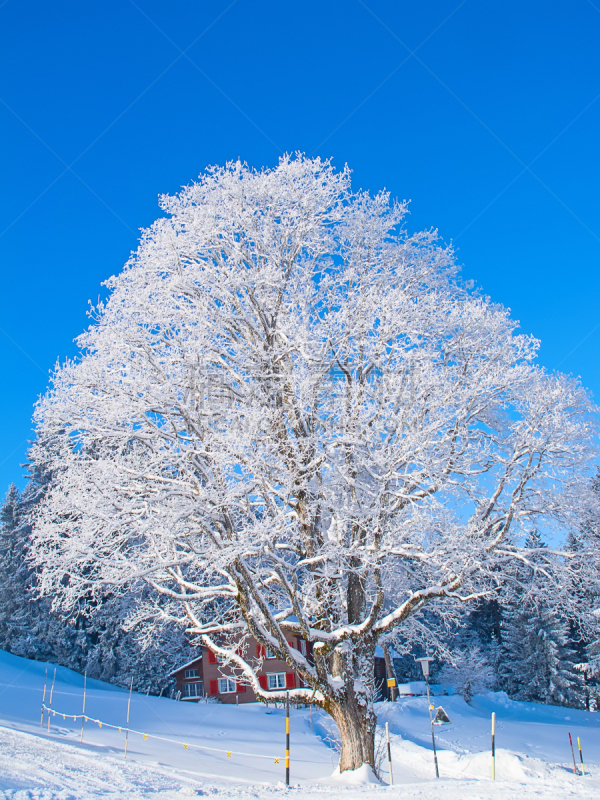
(391,682)
(425,667)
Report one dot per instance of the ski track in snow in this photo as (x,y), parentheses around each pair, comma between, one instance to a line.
(533,761)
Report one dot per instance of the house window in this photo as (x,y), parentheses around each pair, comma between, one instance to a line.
(191,673)
(193,689)
(269,654)
(276,680)
(226,686)
(302,644)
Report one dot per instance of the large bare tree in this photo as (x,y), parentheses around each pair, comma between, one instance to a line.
(292,414)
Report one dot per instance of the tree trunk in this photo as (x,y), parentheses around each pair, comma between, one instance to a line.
(389,670)
(356,723)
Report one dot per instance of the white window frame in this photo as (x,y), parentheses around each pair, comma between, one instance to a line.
(197,686)
(190,673)
(302,648)
(226,686)
(269,654)
(276,680)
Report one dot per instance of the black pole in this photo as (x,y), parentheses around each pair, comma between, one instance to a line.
(493,745)
(287,738)
(437,772)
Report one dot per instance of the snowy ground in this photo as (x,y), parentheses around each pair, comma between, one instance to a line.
(534,759)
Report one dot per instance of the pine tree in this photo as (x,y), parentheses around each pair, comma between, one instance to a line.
(11,572)
(586,640)
(537,660)
(28,627)
(95,637)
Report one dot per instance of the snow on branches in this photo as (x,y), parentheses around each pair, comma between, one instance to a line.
(291,411)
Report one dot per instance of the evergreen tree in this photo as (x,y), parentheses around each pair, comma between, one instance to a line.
(12,587)
(95,637)
(586,640)
(537,660)
(28,627)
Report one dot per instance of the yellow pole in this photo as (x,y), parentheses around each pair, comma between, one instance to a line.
(493,745)
(287,738)
(51,693)
(83,711)
(580,756)
(44,697)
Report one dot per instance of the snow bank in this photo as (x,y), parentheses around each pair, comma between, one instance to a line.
(509,766)
(355,777)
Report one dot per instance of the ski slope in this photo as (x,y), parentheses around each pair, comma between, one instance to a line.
(533,755)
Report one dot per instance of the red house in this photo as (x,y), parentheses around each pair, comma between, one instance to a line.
(209,675)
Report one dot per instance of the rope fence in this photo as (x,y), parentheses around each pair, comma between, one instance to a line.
(186,746)
(121,729)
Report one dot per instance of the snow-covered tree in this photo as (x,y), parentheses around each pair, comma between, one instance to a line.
(470,672)
(100,638)
(586,641)
(291,412)
(115,650)
(12,582)
(537,661)
(28,627)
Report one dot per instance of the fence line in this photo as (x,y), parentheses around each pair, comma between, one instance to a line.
(123,728)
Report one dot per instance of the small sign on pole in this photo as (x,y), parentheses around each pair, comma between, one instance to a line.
(391,682)
(425,667)
(441,718)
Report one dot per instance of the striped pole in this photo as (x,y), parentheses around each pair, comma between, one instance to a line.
(83,710)
(493,745)
(51,693)
(580,756)
(128,706)
(575,770)
(44,697)
(387,736)
(287,738)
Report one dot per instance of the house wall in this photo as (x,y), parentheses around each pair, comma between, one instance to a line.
(210,671)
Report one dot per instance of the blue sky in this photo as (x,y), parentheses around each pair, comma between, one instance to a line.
(485,114)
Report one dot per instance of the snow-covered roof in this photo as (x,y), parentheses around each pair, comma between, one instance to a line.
(184,666)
